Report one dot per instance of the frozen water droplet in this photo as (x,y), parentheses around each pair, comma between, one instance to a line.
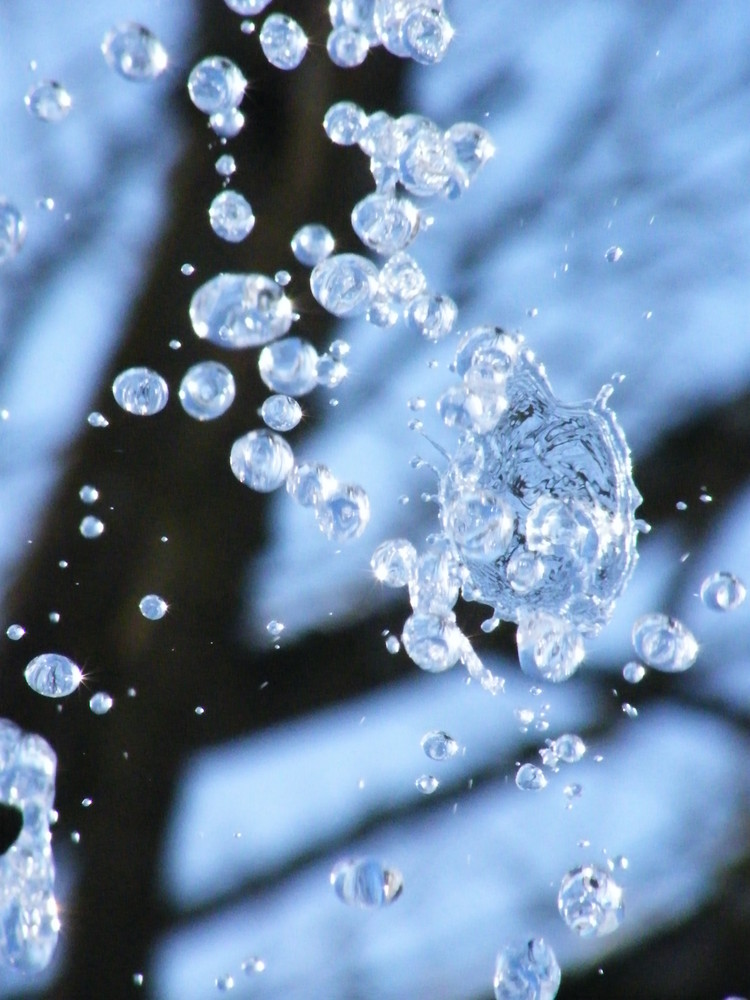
(392,644)
(261,460)
(438,745)
(274,628)
(12,230)
(240,310)
(216,85)
(89,494)
(613,254)
(569,748)
(289,366)
(530,778)
(426,34)
(310,483)
(91,527)
(634,672)
(527,971)
(427,784)
(48,101)
(664,643)
(393,562)
(548,648)
(345,284)
(347,47)
(590,901)
(53,675)
(15,632)
(207,390)
(140,391)
(344,513)
(723,592)
(134,52)
(231,216)
(281,413)
(283,41)
(385,223)
(101,702)
(366,884)
(344,123)
(226,165)
(153,607)
(434,642)
(96,419)
(432,315)
(312,243)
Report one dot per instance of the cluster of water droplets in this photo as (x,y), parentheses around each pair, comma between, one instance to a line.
(410,29)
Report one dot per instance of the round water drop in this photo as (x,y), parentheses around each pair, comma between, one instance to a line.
(53,675)
(530,778)
(207,390)
(366,883)
(310,483)
(590,901)
(438,745)
(48,101)
(434,642)
(723,592)
(140,391)
(252,965)
(96,419)
(289,366)
(282,278)
(261,460)
(101,702)
(227,124)
(392,645)
(385,223)
(15,632)
(527,971)
(89,494)
(54,617)
(224,983)
(231,216)
(225,165)
(153,607)
(240,310)
(134,52)
(312,243)
(393,562)
(344,123)
(634,672)
(549,649)
(344,514)
(283,41)
(330,372)
(664,643)
(12,231)
(347,47)
(426,34)
(427,784)
(216,85)
(91,527)
(345,284)
(569,747)
(281,413)
(274,628)
(613,254)
(432,315)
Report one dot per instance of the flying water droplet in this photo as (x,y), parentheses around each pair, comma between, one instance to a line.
(153,607)
(426,34)
(344,513)
(247,8)
(252,965)
(549,648)
(12,231)
(345,284)
(289,366)
(530,778)
(366,883)
(227,124)
(231,216)
(281,413)
(634,672)
(207,390)
(282,278)
(134,52)
(101,702)
(630,710)
(613,254)
(224,983)
(274,628)
(53,675)
(91,527)
(427,784)
(261,460)
(310,484)
(392,645)
(88,494)
(48,101)
(432,315)
(527,971)
(15,632)
(344,123)
(240,310)
(438,745)
(385,223)
(226,165)
(590,901)
(569,748)
(723,592)
(664,643)
(140,391)
(96,419)
(216,85)
(347,47)
(312,243)
(393,562)
(283,41)
(434,642)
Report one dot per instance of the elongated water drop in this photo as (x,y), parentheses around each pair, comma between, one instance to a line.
(366,883)
(240,310)
(12,231)
(53,675)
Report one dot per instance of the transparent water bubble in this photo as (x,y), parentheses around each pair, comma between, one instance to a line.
(15,632)
(134,52)
(347,47)
(207,390)
(427,784)
(53,675)
(48,101)
(426,34)
(153,607)
(569,748)
(549,648)
(393,562)
(88,494)
(140,391)
(281,413)
(723,592)
(590,901)
(345,284)
(227,124)
(261,460)
(91,527)
(96,419)
(226,165)
(289,366)
(216,85)
(231,216)
(240,310)
(664,643)
(366,883)
(434,642)
(530,778)
(344,123)
(634,672)
(283,41)
(344,513)
(385,223)
(312,243)
(479,523)
(438,745)
(527,971)
(247,8)
(432,315)
(101,702)
(12,231)
(311,483)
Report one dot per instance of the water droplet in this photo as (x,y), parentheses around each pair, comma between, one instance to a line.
(345,284)
(54,617)
(274,628)
(252,965)
(207,390)
(426,34)
(48,101)
(281,413)
(261,460)
(53,675)
(134,52)
(227,124)
(347,47)
(101,702)
(613,254)
(392,645)
(15,632)
(289,366)
(225,165)
(432,315)
(530,778)
(344,123)
(240,310)
(282,278)
(590,901)
(330,372)
(723,592)
(681,505)
(199,710)
(630,710)
(310,483)
(231,216)
(89,494)
(224,983)
(479,523)
(527,971)
(548,648)
(91,527)
(140,391)
(438,745)
(12,230)
(216,86)
(283,41)
(344,513)
(569,748)
(138,979)
(75,837)
(247,8)
(153,607)
(473,147)
(385,223)
(394,561)
(434,642)
(427,784)
(664,643)
(312,243)
(366,884)
(573,791)
(634,672)
(434,585)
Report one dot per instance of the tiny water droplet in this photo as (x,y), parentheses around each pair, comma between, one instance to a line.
(634,672)
(530,778)
(438,745)
(207,390)
(231,216)
(15,632)
(613,254)
(427,784)
(224,983)
(225,165)
(590,901)
(366,883)
(48,101)
(12,231)
(312,244)
(101,702)
(527,970)
(91,527)
(89,494)
(54,617)
(723,592)
(392,644)
(216,85)
(153,607)
(630,710)
(281,412)
(274,628)
(252,965)
(664,643)
(96,419)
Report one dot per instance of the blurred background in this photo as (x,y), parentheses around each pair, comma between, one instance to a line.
(235,769)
